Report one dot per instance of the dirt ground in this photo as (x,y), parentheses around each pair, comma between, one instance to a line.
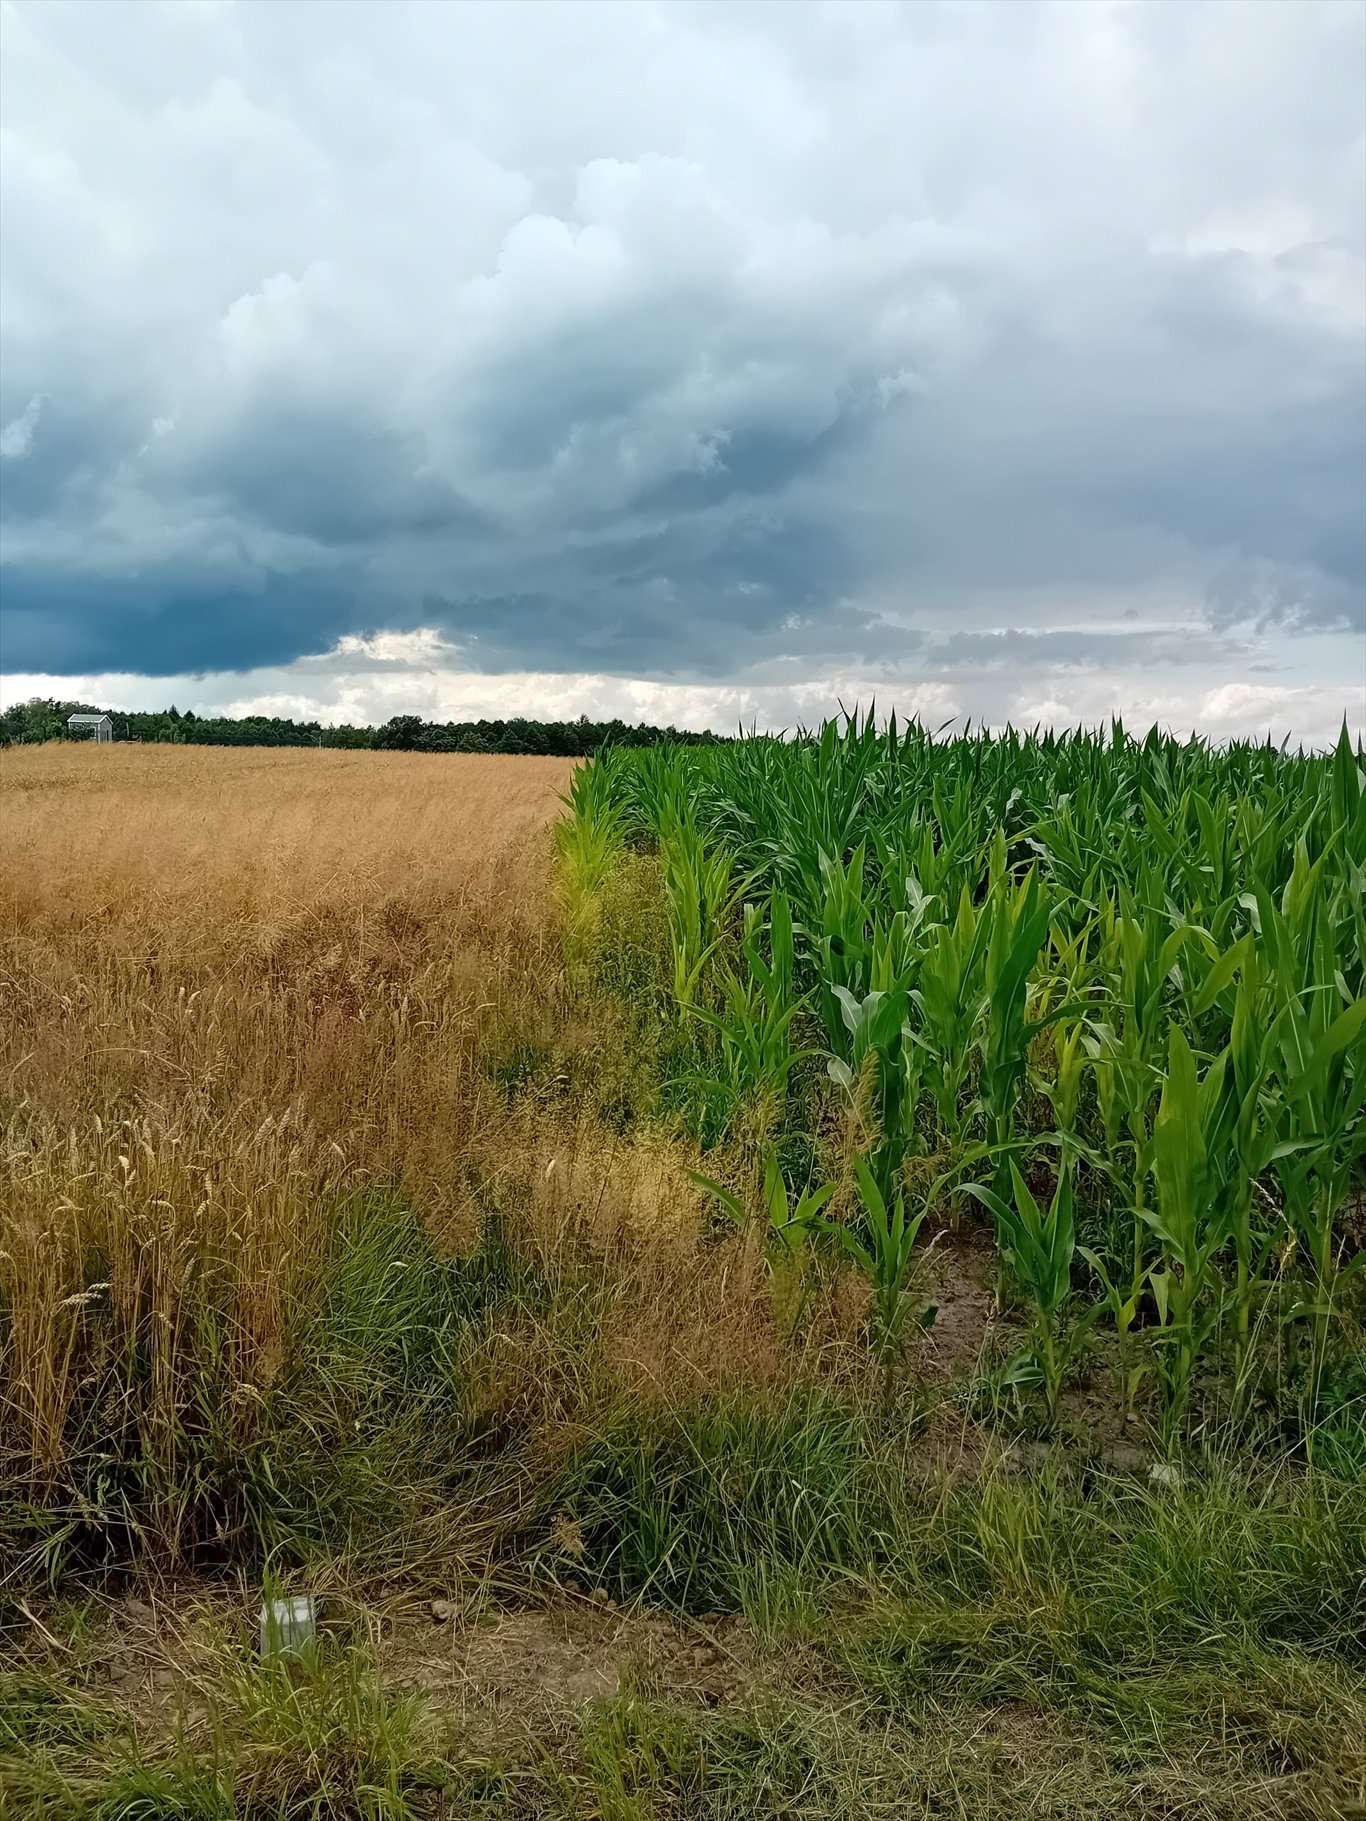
(493,1668)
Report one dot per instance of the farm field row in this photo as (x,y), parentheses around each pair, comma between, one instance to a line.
(1111,991)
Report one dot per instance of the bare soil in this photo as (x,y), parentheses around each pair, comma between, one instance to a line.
(516,1662)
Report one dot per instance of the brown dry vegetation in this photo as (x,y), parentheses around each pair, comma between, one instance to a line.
(238,988)
(211,934)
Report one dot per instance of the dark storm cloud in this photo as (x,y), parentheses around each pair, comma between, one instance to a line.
(677,347)
(165,624)
(338,482)
(73,447)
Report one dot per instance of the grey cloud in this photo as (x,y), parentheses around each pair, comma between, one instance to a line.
(681,346)
(1010,649)
(337,480)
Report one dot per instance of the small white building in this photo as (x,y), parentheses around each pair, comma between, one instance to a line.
(98,727)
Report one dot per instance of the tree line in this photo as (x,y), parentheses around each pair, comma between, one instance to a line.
(45,719)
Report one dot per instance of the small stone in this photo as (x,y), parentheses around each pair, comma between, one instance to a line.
(1125,1457)
(442,1612)
(1163,1473)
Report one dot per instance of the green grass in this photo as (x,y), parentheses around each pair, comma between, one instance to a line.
(327,1742)
(688,1508)
(893,1605)
(258,1739)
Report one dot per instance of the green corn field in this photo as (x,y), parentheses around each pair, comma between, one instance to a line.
(1108,993)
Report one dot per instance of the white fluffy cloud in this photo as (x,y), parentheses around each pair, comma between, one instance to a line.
(365,680)
(1012,354)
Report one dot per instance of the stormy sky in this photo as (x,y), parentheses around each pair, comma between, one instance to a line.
(684,360)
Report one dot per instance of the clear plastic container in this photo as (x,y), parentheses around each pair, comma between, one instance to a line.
(289,1626)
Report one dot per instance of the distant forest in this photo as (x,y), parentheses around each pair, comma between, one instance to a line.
(46,720)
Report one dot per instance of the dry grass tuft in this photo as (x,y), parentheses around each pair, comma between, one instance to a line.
(123,1236)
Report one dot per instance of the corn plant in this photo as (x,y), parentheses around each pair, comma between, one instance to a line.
(897,947)
(1139,956)
(777,975)
(882,1067)
(1017,922)
(843,946)
(1063,983)
(1064,1087)
(1159,900)
(754,1022)
(1320,1053)
(786,1228)
(1121,1301)
(1194,1121)
(1255,1142)
(701,891)
(589,839)
(950,999)
(882,1245)
(1037,1245)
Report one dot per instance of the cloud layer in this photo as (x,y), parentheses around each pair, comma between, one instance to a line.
(1017,353)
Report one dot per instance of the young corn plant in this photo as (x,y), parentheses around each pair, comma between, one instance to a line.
(1319,1047)
(1063,984)
(882,1245)
(1121,1300)
(701,892)
(1139,955)
(879,1079)
(842,946)
(897,946)
(1194,1122)
(786,1227)
(778,975)
(589,841)
(950,1000)
(754,1024)
(1017,921)
(1037,1246)
(1063,1089)
(1255,1142)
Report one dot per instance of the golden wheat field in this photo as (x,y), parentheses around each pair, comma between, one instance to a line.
(240,988)
(216,934)
(236,984)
